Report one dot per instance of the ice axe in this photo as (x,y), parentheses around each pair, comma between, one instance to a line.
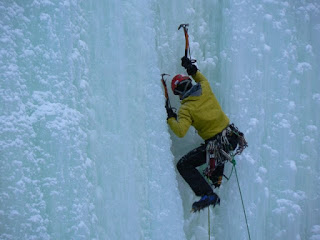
(185,29)
(168,105)
(187,48)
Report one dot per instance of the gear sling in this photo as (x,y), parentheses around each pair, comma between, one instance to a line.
(218,150)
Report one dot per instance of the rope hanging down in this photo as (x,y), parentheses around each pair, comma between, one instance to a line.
(209,223)
(233,161)
(230,158)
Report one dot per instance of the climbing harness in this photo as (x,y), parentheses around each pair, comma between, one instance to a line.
(219,148)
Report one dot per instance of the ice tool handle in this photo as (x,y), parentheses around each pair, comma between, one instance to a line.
(187,48)
(165,89)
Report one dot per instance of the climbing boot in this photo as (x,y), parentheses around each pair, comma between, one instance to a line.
(205,201)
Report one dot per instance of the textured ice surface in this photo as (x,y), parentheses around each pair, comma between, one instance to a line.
(85,151)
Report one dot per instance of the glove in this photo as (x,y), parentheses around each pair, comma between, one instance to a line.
(170,112)
(192,69)
(187,64)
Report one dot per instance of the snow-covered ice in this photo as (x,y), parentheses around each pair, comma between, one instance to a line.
(85,150)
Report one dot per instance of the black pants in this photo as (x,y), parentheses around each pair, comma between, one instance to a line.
(187,168)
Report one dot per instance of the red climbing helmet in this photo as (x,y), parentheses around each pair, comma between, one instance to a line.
(176,81)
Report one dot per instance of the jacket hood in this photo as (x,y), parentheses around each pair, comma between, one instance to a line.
(195,91)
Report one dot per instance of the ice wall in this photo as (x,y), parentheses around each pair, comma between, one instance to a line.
(46,174)
(85,151)
(136,189)
(84,146)
(274,52)
(262,59)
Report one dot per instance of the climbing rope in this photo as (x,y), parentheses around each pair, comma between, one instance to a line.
(209,222)
(222,145)
(230,157)
(244,210)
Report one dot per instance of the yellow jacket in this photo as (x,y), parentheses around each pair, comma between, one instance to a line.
(203,112)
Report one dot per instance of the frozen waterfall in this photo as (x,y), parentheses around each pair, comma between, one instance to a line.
(85,150)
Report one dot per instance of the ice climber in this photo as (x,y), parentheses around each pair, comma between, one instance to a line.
(200,108)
